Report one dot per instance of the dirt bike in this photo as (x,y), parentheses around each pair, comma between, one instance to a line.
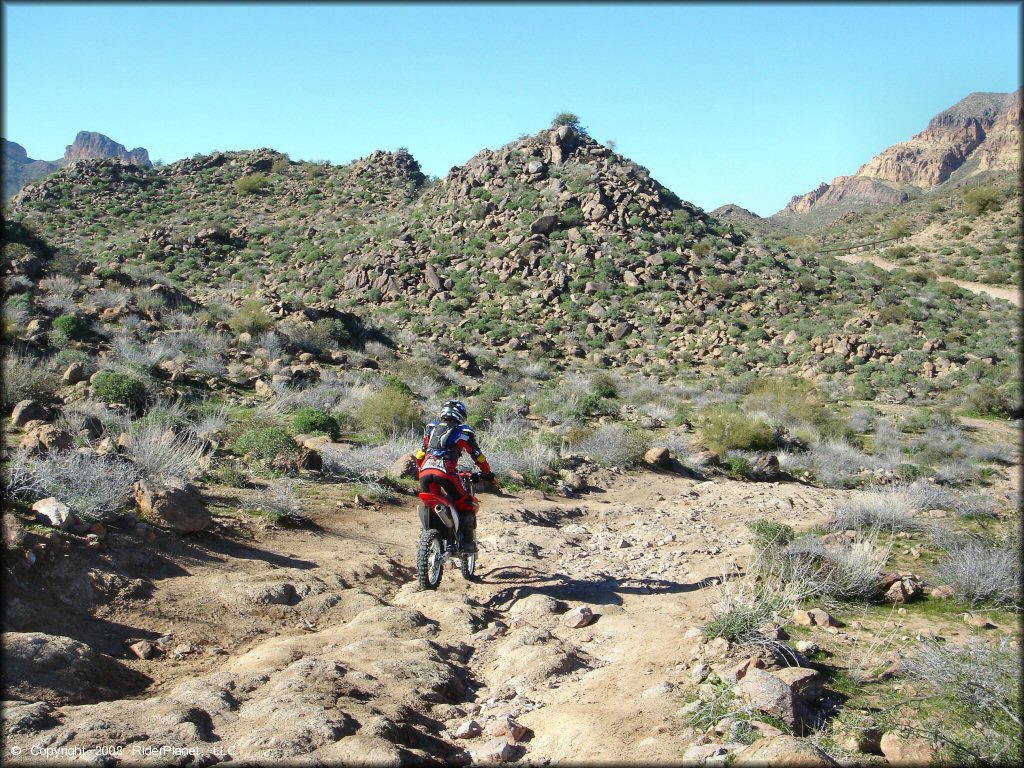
(440,539)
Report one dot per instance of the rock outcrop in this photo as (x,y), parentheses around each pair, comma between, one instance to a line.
(19,168)
(979,133)
(89,145)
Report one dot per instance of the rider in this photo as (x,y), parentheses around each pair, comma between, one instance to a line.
(443,443)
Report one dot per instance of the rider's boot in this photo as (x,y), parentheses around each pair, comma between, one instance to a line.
(469,533)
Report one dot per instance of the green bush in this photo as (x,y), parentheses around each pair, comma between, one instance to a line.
(390,410)
(769,534)
(252,184)
(978,200)
(266,444)
(726,428)
(315,420)
(119,388)
(72,326)
(985,399)
(251,318)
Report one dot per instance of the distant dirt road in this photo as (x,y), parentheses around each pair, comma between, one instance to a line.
(1011,295)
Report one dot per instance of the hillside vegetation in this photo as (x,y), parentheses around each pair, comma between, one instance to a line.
(200,357)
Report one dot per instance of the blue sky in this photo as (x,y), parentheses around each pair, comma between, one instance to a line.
(724,103)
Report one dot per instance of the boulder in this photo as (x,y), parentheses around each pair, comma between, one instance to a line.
(782,751)
(53,512)
(904,590)
(544,225)
(59,670)
(74,373)
(495,751)
(26,411)
(766,468)
(770,695)
(404,467)
(505,726)
(901,749)
(658,457)
(803,682)
(178,509)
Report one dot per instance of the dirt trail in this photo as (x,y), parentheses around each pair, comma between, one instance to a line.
(1012,295)
(316,643)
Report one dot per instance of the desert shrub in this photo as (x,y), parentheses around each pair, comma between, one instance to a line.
(26,378)
(895,508)
(279,503)
(769,534)
(391,409)
(113,387)
(252,184)
(367,462)
(315,420)
(847,570)
(265,444)
(72,327)
(978,200)
(956,474)
(987,400)
(94,487)
(603,385)
(788,401)
(726,427)
(511,446)
(980,573)
(251,318)
(965,686)
(164,457)
(614,445)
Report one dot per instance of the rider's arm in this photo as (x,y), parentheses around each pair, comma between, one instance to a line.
(422,452)
(467,442)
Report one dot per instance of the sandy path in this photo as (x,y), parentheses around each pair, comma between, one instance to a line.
(1012,295)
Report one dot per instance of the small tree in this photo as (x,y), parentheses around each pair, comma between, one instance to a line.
(569,119)
(252,184)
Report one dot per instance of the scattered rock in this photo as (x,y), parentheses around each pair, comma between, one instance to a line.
(578,617)
(505,726)
(143,649)
(772,696)
(815,617)
(53,512)
(178,509)
(468,730)
(740,670)
(904,590)
(944,592)
(26,411)
(901,749)
(981,622)
(803,682)
(717,647)
(495,751)
(658,457)
(782,750)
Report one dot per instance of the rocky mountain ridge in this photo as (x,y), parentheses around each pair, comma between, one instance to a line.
(19,168)
(980,133)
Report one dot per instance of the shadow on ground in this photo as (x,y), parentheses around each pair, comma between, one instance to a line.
(601,589)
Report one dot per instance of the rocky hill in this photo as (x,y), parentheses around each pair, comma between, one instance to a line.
(552,245)
(980,133)
(214,374)
(19,168)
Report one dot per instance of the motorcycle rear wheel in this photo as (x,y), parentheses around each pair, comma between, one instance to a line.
(430,560)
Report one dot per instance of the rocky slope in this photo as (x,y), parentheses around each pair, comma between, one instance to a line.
(553,245)
(19,168)
(978,134)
